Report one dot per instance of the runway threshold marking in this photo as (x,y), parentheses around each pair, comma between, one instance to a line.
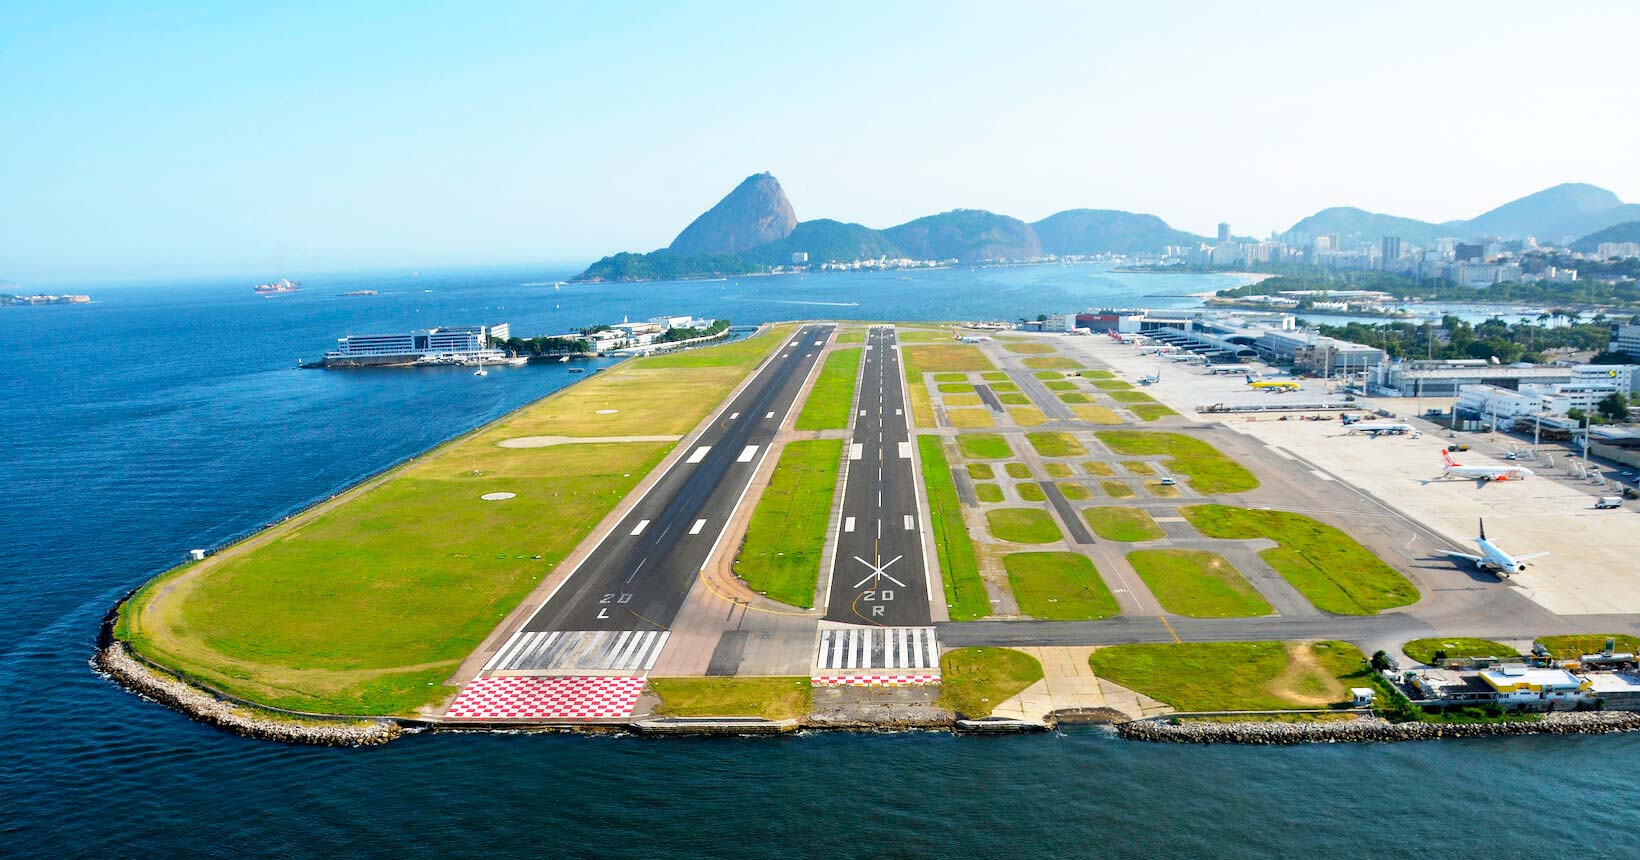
(699,454)
(695,529)
(910,523)
(905,450)
(747,455)
(848,524)
(856,450)
(638,529)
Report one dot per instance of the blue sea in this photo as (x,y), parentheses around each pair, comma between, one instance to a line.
(171,415)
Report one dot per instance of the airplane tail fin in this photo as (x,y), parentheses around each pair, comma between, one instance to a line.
(1483,528)
(1446,457)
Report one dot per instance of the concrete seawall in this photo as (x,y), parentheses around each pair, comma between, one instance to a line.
(1371,729)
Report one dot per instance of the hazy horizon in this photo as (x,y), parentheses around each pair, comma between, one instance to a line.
(169,142)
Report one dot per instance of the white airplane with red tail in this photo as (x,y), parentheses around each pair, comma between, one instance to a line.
(1483,473)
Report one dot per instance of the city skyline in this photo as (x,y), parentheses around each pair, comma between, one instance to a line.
(272,141)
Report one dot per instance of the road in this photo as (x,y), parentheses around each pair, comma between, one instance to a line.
(878,574)
(613,611)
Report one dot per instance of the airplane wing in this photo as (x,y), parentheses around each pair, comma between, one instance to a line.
(1465,556)
(1530,556)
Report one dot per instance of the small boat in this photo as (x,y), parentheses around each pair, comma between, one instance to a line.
(577,370)
(481,372)
(563,359)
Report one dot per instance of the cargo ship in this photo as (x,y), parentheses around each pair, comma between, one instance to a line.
(283,285)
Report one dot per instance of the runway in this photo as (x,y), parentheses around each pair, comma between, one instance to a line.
(878,574)
(640,574)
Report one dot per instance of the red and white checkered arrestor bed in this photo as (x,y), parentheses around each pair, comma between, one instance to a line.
(550,698)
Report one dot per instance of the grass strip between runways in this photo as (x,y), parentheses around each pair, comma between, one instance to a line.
(965,596)
(832,397)
(1327,566)
(781,554)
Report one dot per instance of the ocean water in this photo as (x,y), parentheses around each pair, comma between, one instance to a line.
(171,415)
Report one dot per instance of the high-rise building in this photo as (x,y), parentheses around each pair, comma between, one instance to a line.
(1391,246)
(1466,252)
(1224,231)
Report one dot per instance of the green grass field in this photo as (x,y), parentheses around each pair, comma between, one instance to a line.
(1001,387)
(1017,470)
(1058,586)
(1225,676)
(983,446)
(1570,647)
(1097,468)
(856,336)
(1209,471)
(1130,397)
(832,397)
(950,377)
(1138,467)
(1097,374)
(1075,397)
(1060,385)
(1052,362)
(981,471)
(1334,572)
(994,376)
(1424,650)
(1056,445)
(1161,490)
(964,589)
(1029,348)
(1122,523)
(1072,490)
(1058,470)
(1022,525)
(1013,399)
(781,554)
(1111,385)
(973,681)
(1197,584)
(1049,374)
(1117,490)
(770,698)
(951,400)
(956,388)
(367,603)
(1030,492)
(990,493)
(1151,411)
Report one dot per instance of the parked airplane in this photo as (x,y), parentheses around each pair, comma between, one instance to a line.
(1153,378)
(969,338)
(1484,473)
(1276,386)
(1378,428)
(1493,557)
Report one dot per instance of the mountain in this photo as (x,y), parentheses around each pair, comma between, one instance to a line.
(1348,221)
(969,235)
(1095,231)
(1628,231)
(1571,209)
(827,241)
(755,213)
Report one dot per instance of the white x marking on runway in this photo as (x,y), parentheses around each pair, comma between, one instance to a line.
(877,573)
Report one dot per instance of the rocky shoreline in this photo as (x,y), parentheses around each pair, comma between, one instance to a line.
(139,678)
(1370,729)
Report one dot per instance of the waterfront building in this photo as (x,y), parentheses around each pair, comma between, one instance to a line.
(1391,247)
(444,345)
(1445,377)
(1224,232)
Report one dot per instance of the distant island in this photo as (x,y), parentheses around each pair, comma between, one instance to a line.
(8,299)
(754,230)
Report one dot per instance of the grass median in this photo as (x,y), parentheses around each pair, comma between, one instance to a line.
(1197,584)
(935,358)
(965,595)
(832,397)
(1327,566)
(366,604)
(1022,525)
(1208,469)
(1052,362)
(781,554)
(1122,523)
(776,698)
(1150,411)
(983,446)
(1425,650)
(973,681)
(1571,647)
(1056,445)
(1058,586)
(1233,676)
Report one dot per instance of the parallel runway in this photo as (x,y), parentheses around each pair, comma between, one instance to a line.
(878,574)
(637,579)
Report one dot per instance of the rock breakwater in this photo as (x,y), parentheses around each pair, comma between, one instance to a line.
(172,692)
(1371,729)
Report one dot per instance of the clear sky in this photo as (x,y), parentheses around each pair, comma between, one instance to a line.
(146,139)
